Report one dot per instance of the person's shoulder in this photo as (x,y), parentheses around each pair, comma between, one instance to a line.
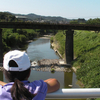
(40,86)
(6,88)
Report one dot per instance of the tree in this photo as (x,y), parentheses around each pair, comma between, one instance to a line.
(95,21)
(74,22)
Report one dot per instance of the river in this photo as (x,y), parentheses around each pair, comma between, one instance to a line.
(41,49)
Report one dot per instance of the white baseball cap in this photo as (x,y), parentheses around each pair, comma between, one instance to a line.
(21,58)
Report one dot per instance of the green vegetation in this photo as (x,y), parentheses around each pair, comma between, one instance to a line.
(87,52)
(52,70)
(87,56)
(7,17)
(59,40)
(78,21)
(95,21)
(51,40)
(16,38)
(98,99)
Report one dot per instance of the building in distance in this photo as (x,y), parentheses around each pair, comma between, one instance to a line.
(23,18)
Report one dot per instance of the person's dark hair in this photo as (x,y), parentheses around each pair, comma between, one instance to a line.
(18,91)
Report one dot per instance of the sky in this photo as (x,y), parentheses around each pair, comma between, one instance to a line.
(71,9)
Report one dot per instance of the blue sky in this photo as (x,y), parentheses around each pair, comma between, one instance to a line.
(71,9)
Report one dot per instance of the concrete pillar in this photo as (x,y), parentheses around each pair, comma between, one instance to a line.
(69,46)
(1,48)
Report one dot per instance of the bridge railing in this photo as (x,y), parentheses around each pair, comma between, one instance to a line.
(75,93)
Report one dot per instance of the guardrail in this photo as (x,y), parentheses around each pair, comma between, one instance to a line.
(74,93)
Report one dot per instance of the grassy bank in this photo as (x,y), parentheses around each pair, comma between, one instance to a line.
(59,42)
(87,54)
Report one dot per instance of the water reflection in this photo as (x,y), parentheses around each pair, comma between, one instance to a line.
(67,79)
(1,75)
(40,49)
(37,75)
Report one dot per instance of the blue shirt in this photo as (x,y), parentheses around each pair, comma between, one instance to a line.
(36,87)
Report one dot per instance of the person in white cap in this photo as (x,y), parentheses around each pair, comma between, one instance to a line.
(17,70)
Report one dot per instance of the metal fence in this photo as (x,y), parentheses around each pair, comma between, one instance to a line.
(75,93)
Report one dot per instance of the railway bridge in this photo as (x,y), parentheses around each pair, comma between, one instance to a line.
(68,27)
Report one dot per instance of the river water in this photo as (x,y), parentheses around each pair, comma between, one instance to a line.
(40,49)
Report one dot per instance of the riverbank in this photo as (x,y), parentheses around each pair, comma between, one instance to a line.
(87,52)
(55,46)
(49,61)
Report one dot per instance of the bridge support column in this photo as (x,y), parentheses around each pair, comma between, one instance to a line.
(1,48)
(69,46)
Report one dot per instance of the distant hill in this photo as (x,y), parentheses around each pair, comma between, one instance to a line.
(8,16)
(35,17)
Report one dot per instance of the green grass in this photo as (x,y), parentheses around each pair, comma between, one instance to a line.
(60,39)
(98,99)
(87,56)
(87,53)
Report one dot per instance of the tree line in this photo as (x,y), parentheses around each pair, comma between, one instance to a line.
(95,21)
(4,16)
(16,37)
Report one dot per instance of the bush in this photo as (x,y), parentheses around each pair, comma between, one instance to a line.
(11,39)
(52,70)
(51,40)
(22,39)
